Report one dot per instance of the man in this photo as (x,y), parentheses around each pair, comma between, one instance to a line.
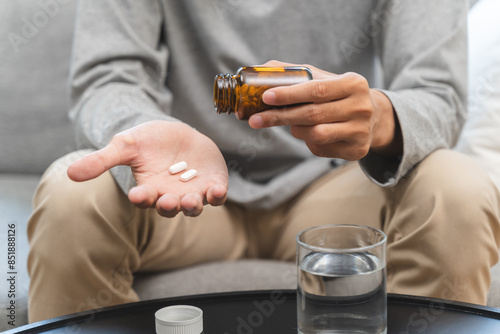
(141,89)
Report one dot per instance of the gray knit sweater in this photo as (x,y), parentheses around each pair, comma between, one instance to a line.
(141,60)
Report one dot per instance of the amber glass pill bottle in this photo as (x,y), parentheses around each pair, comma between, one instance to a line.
(241,93)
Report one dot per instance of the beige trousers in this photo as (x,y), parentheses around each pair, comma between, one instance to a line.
(87,240)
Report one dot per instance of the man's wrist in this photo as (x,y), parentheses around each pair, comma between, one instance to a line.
(387,138)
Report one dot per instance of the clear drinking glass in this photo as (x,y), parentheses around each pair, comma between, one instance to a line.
(341,280)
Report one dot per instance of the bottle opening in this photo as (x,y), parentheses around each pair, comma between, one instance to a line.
(222,93)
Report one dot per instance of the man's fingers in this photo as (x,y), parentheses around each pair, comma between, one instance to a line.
(315,91)
(88,167)
(325,89)
(191,204)
(305,114)
(168,205)
(216,195)
(143,196)
(334,140)
(94,164)
(118,152)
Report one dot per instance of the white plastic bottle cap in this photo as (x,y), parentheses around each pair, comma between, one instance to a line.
(179,319)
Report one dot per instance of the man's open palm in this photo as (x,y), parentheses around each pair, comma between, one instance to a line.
(150,149)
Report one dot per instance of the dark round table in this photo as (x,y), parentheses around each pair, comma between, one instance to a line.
(271,312)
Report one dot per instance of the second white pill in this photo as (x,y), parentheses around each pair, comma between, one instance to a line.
(188,175)
(178,167)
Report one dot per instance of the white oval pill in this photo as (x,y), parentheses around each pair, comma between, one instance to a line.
(178,167)
(188,175)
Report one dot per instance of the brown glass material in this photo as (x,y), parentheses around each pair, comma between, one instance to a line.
(242,93)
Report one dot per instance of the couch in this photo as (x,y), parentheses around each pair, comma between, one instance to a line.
(35,130)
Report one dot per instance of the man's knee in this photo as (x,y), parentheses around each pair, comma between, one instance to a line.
(452,196)
(58,202)
(71,218)
(455,180)
(450,200)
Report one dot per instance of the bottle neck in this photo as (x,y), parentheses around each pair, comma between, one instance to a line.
(224,96)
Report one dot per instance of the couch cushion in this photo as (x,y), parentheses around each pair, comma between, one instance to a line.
(34,63)
(242,275)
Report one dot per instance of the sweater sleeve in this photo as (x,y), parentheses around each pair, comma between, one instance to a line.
(118,72)
(422,47)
